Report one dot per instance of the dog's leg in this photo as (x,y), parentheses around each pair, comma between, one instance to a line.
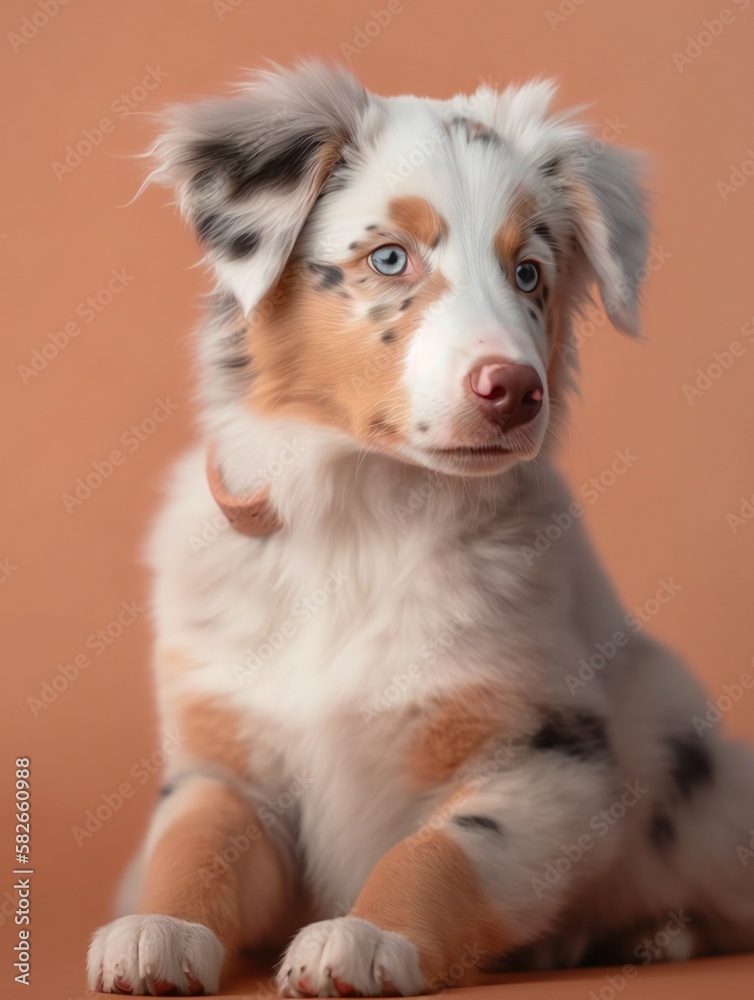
(445,905)
(195,906)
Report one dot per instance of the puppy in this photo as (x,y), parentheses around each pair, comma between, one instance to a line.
(383,741)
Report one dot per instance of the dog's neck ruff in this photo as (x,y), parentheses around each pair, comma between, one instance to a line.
(251,515)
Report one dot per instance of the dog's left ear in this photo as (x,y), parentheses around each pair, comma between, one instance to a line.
(248,169)
(609,215)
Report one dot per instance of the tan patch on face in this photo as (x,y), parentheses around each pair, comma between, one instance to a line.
(315,362)
(186,877)
(215,734)
(427,889)
(512,234)
(458,728)
(557,363)
(418,219)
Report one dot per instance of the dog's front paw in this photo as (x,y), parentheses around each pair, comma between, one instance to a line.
(350,957)
(153,955)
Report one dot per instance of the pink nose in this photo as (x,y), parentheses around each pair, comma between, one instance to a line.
(511,394)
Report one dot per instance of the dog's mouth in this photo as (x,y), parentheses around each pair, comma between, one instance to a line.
(474,450)
(473,459)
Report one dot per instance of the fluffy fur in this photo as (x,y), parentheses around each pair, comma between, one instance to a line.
(382,745)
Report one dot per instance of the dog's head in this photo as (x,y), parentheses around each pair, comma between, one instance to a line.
(406,270)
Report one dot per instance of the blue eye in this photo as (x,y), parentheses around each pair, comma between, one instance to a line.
(527,276)
(390,259)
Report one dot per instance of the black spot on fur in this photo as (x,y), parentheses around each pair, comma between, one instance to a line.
(246,167)
(165,791)
(405,304)
(543,230)
(354,246)
(378,311)
(691,766)
(388,336)
(422,428)
(545,292)
(578,734)
(532,313)
(662,833)
(233,355)
(215,231)
(242,244)
(212,229)
(236,363)
(332,276)
(474,131)
(478,823)
(540,302)
(370,228)
(551,167)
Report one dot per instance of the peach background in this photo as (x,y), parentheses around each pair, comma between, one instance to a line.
(666,517)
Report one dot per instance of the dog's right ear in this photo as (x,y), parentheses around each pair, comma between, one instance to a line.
(248,169)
